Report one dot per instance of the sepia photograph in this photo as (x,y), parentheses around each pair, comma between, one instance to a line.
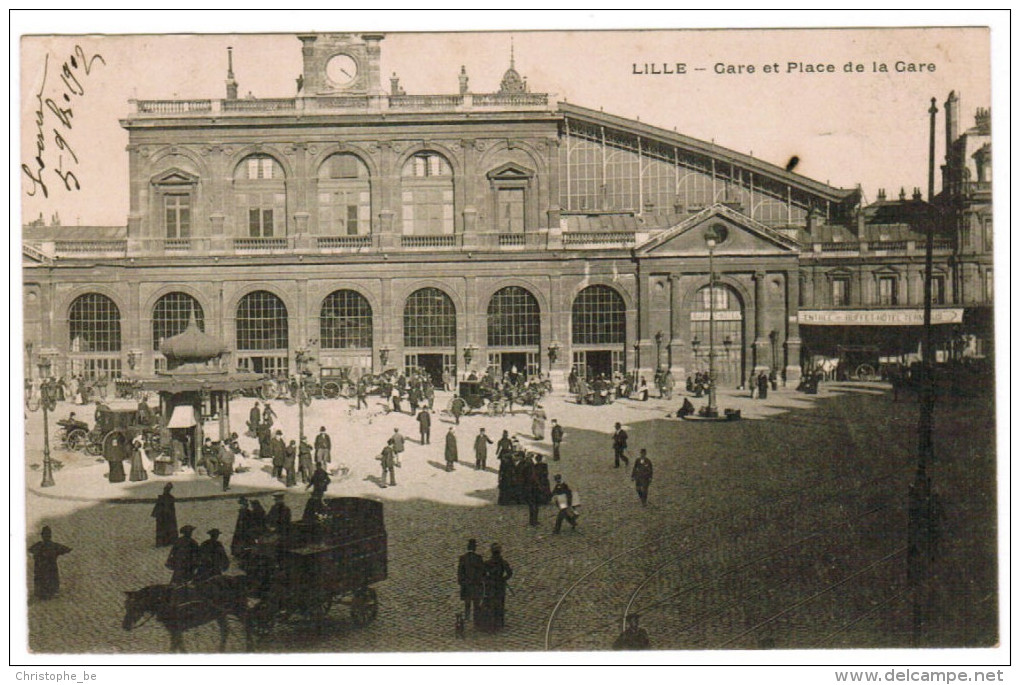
(357,340)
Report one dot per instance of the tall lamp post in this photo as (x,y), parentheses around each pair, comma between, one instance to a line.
(47,402)
(711,240)
(302,357)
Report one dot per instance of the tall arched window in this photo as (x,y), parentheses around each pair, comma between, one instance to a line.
(345,321)
(171,314)
(93,323)
(427,195)
(345,200)
(430,319)
(262,334)
(599,317)
(513,318)
(260,191)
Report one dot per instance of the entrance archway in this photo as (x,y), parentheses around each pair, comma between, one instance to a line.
(598,320)
(728,334)
(430,334)
(513,337)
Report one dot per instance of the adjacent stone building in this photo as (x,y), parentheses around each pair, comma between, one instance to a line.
(450,232)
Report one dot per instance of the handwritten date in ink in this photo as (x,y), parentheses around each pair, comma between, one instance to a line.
(54,123)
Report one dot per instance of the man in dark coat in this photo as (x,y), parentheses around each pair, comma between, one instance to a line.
(362,392)
(557,439)
(542,478)
(642,475)
(319,481)
(564,498)
(305,460)
(504,446)
(226,459)
(620,446)
(634,637)
(323,447)
(531,490)
(425,426)
(243,533)
(506,475)
(497,573)
(457,408)
(278,518)
(254,419)
(212,558)
(289,464)
(471,578)
(450,452)
(313,507)
(397,442)
(278,452)
(165,513)
(46,573)
(482,442)
(389,462)
(763,386)
(183,559)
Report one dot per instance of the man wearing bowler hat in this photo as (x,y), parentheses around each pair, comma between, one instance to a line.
(212,558)
(183,559)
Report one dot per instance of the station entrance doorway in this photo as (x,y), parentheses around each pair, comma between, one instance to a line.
(433,364)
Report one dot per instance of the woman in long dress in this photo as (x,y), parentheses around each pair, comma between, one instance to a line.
(138,472)
(165,513)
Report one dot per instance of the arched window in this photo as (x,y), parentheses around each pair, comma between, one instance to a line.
(430,319)
(598,317)
(171,314)
(345,321)
(261,326)
(260,191)
(261,322)
(345,204)
(427,195)
(94,324)
(513,318)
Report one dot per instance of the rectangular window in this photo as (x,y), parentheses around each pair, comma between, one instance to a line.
(986,229)
(177,215)
(887,290)
(260,222)
(840,292)
(938,289)
(989,285)
(510,213)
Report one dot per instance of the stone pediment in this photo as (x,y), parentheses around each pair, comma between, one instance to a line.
(510,172)
(743,235)
(175,177)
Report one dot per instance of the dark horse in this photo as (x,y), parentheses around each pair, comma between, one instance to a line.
(180,608)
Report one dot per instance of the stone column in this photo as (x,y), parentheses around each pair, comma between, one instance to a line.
(761,338)
(675,349)
(793,342)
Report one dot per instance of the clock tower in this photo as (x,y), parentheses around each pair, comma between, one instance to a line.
(341,63)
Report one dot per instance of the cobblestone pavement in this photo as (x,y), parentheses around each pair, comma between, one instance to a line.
(746,522)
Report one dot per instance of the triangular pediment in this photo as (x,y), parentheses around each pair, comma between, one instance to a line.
(175,177)
(510,172)
(743,235)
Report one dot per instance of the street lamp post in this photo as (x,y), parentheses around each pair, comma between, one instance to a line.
(711,239)
(469,354)
(45,400)
(302,357)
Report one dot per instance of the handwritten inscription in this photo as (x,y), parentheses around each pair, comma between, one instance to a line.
(54,124)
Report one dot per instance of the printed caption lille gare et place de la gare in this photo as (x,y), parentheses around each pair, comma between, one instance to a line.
(725,68)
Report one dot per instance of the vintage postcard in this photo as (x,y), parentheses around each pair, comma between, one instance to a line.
(348,341)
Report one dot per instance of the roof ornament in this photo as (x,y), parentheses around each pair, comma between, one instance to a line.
(512,81)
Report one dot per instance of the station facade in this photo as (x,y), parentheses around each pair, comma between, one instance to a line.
(377,229)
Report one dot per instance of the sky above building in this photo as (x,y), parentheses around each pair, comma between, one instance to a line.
(819,95)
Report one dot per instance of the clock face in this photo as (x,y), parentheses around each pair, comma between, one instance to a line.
(341,70)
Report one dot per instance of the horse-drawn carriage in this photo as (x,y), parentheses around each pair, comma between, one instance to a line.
(125,423)
(333,558)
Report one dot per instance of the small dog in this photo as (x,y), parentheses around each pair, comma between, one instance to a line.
(460,627)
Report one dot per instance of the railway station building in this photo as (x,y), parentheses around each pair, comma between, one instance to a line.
(493,227)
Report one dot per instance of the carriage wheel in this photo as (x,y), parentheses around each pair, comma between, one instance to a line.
(865,372)
(77,440)
(331,390)
(94,448)
(268,391)
(364,606)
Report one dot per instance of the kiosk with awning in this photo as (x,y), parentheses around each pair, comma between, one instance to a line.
(196,387)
